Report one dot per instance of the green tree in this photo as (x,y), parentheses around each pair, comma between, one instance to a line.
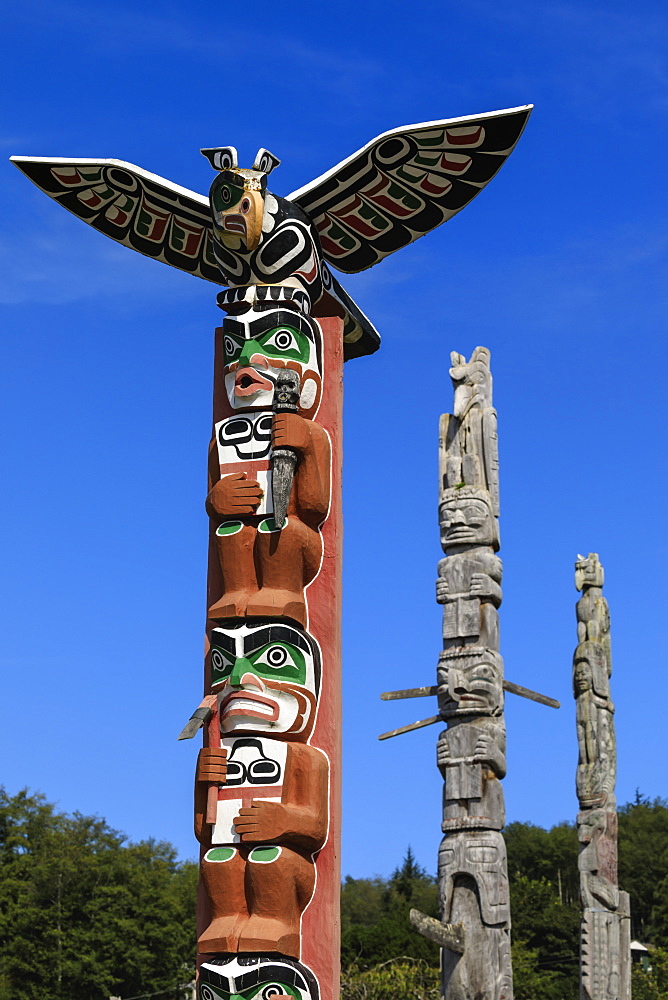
(643,866)
(83,913)
(650,979)
(375,925)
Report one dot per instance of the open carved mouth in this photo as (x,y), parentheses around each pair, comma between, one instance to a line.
(248,381)
(249,704)
(234,224)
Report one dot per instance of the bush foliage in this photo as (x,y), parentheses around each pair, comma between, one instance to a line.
(85,914)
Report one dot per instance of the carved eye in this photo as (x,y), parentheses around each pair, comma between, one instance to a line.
(272,990)
(245,206)
(230,347)
(220,662)
(484,673)
(225,195)
(283,340)
(276,656)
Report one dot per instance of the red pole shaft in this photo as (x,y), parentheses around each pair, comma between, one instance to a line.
(243,931)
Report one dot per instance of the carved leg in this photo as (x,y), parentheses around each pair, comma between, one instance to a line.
(222,871)
(286,561)
(279,884)
(235,543)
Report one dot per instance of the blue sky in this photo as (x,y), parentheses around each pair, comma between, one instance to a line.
(558,267)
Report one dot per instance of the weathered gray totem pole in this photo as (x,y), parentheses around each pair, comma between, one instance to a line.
(474,930)
(471,754)
(605,956)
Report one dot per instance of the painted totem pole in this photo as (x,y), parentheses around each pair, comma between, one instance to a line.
(605,955)
(267,789)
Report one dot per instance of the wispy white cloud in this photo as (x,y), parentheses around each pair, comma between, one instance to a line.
(241,61)
(60,262)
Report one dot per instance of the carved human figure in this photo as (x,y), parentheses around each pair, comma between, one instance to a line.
(255,977)
(270,807)
(467,519)
(597,764)
(264,569)
(472,758)
(605,956)
(471,751)
(468,585)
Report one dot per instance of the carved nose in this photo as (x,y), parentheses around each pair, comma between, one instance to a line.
(251,680)
(241,673)
(251,353)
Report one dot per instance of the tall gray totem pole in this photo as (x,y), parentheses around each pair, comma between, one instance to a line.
(474,929)
(605,956)
(473,878)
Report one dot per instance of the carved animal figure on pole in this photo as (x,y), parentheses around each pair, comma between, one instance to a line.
(605,956)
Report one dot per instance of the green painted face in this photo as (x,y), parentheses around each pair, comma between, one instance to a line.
(282,341)
(246,977)
(279,661)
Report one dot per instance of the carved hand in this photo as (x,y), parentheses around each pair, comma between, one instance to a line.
(261,821)
(443,753)
(289,430)
(487,751)
(234,495)
(212,765)
(442,590)
(482,585)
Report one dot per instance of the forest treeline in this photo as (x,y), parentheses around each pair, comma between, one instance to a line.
(87,915)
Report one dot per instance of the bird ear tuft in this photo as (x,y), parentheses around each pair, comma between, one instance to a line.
(221,158)
(265,161)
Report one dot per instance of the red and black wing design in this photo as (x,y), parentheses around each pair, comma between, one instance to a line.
(133,207)
(404,183)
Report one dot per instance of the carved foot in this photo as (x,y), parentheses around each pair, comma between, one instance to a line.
(264,934)
(222,934)
(270,602)
(231,605)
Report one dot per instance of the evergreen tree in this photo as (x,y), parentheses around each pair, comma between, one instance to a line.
(85,915)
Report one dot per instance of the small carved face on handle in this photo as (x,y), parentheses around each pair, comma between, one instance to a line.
(466,518)
(470,683)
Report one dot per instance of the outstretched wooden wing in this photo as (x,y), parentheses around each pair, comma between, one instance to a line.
(404,183)
(133,207)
